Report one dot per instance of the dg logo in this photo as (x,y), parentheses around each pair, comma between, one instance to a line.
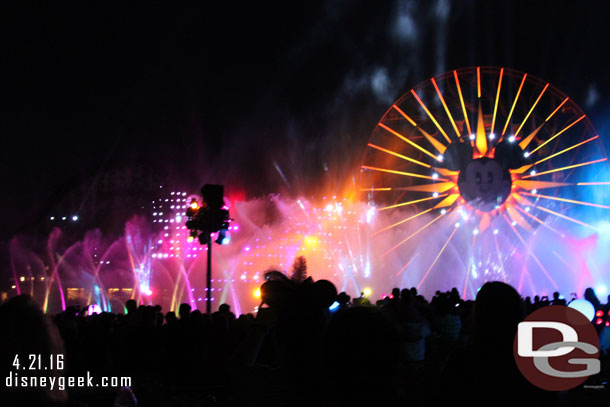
(556,348)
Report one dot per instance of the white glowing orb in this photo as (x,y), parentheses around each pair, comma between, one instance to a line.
(584,307)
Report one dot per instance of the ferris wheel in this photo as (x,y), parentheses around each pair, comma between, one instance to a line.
(490,160)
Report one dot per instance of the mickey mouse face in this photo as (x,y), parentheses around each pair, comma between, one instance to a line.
(484,184)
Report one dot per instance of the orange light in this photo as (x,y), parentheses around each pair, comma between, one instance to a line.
(493,120)
(406,140)
(514,103)
(459,88)
(194,205)
(558,134)
(566,168)
(257,293)
(407,174)
(440,95)
(531,109)
(438,126)
(395,154)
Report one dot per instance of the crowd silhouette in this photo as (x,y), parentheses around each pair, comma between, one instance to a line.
(307,345)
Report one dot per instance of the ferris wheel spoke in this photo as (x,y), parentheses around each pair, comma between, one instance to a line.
(566,150)
(431,116)
(531,185)
(531,110)
(398,205)
(406,140)
(554,198)
(481,137)
(406,174)
(435,187)
(530,251)
(459,88)
(442,99)
(402,221)
(493,119)
(565,168)
(411,235)
(512,109)
(395,154)
(558,134)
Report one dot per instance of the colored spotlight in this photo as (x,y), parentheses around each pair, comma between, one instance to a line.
(367,292)
(257,293)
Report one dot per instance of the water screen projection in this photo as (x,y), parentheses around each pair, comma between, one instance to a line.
(477,174)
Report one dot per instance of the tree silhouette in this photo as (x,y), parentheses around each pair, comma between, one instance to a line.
(299,269)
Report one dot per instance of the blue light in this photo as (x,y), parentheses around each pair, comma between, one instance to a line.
(334,306)
(584,307)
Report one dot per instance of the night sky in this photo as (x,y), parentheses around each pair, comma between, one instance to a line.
(230,92)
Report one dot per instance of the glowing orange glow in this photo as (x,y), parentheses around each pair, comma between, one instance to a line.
(446,172)
(395,154)
(437,187)
(257,293)
(440,147)
(493,119)
(479,82)
(406,174)
(411,202)
(554,198)
(510,114)
(526,141)
(525,184)
(566,149)
(566,168)
(440,96)
(399,110)
(402,221)
(542,208)
(459,88)
(436,258)
(431,116)
(531,253)
(411,235)
(531,109)
(406,140)
(558,134)
(194,205)
(481,138)
(450,200)
(539,221)
(555,111)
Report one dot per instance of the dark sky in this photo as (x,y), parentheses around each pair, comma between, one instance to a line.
(225,91)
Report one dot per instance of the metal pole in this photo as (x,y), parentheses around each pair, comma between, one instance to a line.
(208,301)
